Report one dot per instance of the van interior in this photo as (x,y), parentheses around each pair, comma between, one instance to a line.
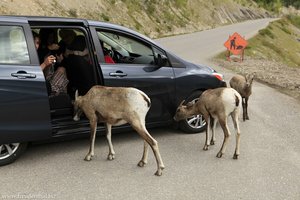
(79,67)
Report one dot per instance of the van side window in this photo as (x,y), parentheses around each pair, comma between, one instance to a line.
(13,47)
(125,49)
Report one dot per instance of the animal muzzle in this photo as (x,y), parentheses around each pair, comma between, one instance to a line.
(176,118)
(76,118)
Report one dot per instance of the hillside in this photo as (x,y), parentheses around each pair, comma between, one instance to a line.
(155,18)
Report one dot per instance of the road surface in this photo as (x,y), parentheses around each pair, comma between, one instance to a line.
(268,167)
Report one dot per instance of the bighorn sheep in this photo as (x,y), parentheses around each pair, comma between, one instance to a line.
(243,85)
(215,105)
(116,106)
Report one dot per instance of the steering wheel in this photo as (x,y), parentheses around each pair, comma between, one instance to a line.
(117,56)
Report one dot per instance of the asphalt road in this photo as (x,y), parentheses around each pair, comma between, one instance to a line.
(268,167)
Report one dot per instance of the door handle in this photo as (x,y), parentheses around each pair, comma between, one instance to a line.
(117,74)
(23,75)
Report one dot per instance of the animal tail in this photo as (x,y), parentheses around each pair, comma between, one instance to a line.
(146,98)
(237,100)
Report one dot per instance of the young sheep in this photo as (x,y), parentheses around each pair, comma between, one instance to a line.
(243,85)
(116,106)
(215,105)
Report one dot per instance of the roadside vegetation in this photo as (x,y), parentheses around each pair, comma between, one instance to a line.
(276,5)
(274,55)
(280,42)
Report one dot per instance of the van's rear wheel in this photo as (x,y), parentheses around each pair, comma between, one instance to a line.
(10,152)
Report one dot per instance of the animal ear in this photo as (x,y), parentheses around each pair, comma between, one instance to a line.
(76,94)
(189,104)
(251,76)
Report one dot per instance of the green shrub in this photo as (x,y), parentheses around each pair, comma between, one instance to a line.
(286,30)
(105,17)
(295,20)
(73,13)
(180,3)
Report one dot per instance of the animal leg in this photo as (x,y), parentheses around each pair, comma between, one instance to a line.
(246,108)
(224,126)
(93,125)
(235,118)
(213,128)
(144,159)
(208,127)
(141,129)
(111,154)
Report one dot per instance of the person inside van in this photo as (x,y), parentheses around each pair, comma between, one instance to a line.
(107,57)
(51,63)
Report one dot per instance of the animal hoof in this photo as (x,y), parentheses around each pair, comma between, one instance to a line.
(158,172)
(110,157)
(235,156)
(219,155)
(205,148)
(88,158)
(212,142)
(141,163)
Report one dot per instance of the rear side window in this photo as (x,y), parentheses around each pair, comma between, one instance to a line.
(13,47)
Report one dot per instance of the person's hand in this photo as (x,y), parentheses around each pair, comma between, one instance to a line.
(48,61)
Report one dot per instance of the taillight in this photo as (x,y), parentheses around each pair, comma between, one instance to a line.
(219,76)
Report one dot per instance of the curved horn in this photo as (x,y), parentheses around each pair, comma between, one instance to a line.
(181,103)
(76,94)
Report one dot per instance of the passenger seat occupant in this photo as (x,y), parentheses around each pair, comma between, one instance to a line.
(56,80)
(107,57)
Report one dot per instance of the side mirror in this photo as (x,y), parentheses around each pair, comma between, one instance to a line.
(162,60)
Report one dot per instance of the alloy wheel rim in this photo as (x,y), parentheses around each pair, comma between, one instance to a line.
(196,121)
(7,150)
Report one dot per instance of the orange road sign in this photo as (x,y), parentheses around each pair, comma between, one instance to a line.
(236,44)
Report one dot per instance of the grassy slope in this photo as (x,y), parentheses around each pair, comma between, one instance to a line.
(278,42)
(155,18)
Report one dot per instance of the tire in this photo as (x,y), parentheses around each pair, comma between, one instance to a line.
(196,123)
(10,152)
